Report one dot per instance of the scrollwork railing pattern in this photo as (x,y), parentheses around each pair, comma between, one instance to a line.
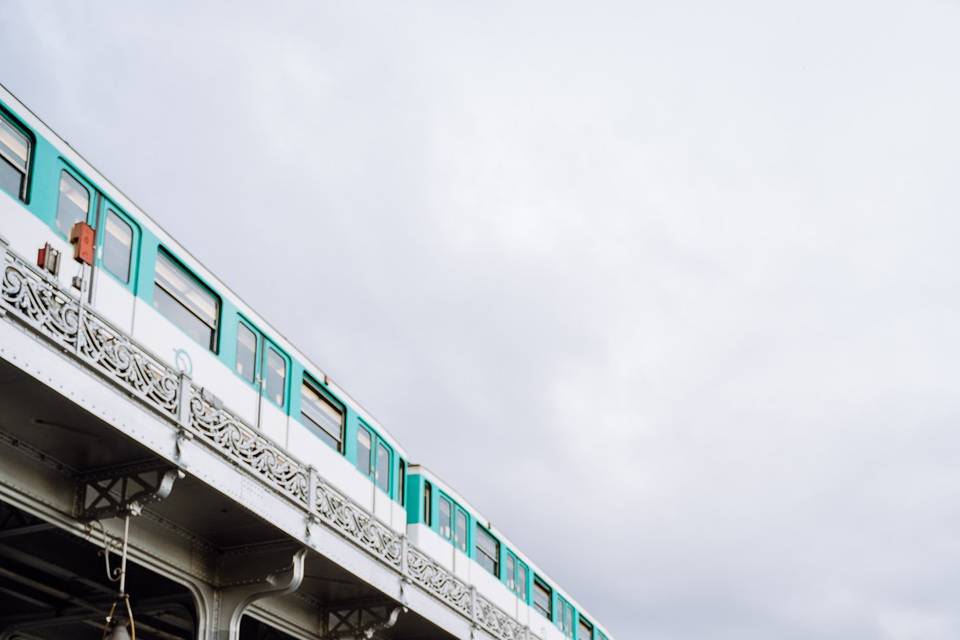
(497,622)
(243,444)
(58,316)
(38,302)
(354,522)
(427,573)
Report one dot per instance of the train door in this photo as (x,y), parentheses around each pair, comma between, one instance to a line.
(274,392)
(76,202)
(382,476)
(113,283)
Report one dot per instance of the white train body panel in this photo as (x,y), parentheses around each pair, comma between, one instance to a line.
(113,300)
(273,421)
(27,234)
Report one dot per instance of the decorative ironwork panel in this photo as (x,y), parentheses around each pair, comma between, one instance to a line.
(46,308)
(245,445)
(57,315)
(116,357)
(500,624)
(427,573)
(360,526)
(38,302)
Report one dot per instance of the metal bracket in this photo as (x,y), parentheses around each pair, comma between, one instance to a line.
(360,621)
(183,436)
(123,491)
(235,600)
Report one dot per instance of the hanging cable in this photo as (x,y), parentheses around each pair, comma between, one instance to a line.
(115,627)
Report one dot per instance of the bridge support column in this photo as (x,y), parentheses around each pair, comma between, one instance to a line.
(227,605)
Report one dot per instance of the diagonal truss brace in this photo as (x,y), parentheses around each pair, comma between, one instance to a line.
(123,491)
(359,620)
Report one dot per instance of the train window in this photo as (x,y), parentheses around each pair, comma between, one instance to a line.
(427,504)
(521,581)
(402,484)
(276,376)
(74,203)
(364,447)
(516,576)
(488,551)
(566,618)
(322,414)
(446,518)
(117,246)
(185,302)
(460,531)
(584,630)
(14,159)
(383,467)
(246,364)
(542,598)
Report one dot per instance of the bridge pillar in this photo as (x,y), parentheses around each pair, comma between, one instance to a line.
(227,604)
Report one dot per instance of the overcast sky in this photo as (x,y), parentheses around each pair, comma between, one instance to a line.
(668,290)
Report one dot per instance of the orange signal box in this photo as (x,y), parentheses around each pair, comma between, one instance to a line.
(82,237)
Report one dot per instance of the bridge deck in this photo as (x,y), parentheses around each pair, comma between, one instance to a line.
(80,400)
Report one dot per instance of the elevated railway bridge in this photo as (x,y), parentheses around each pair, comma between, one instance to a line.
(111,454)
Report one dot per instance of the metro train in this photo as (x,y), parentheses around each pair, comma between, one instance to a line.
(149,286)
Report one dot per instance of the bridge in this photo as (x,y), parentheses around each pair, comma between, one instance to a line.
(119,474)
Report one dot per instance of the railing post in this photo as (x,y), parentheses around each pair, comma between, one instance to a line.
(404,570)
(312,515)
(183,415)
(4,245)
(183,400)
(474,609)
(80,308)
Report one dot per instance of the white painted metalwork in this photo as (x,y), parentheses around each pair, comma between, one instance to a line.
(36,300)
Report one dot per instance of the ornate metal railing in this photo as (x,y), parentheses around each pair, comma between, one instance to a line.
(36,301)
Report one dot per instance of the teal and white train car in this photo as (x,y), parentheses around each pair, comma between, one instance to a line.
(149,286)
(153,289)
(445,525)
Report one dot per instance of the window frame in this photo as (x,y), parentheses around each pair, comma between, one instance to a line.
(66,170)
(457,512)
(268,346)
(310,382)
(24,192)
(565,607)
(381,443)
(163,253)
(402,482)
(108,208)
(517,564)
(361,429)
(481,533)
(582,622)
(257,351)
(548,590)
(444,499)
(427,503)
